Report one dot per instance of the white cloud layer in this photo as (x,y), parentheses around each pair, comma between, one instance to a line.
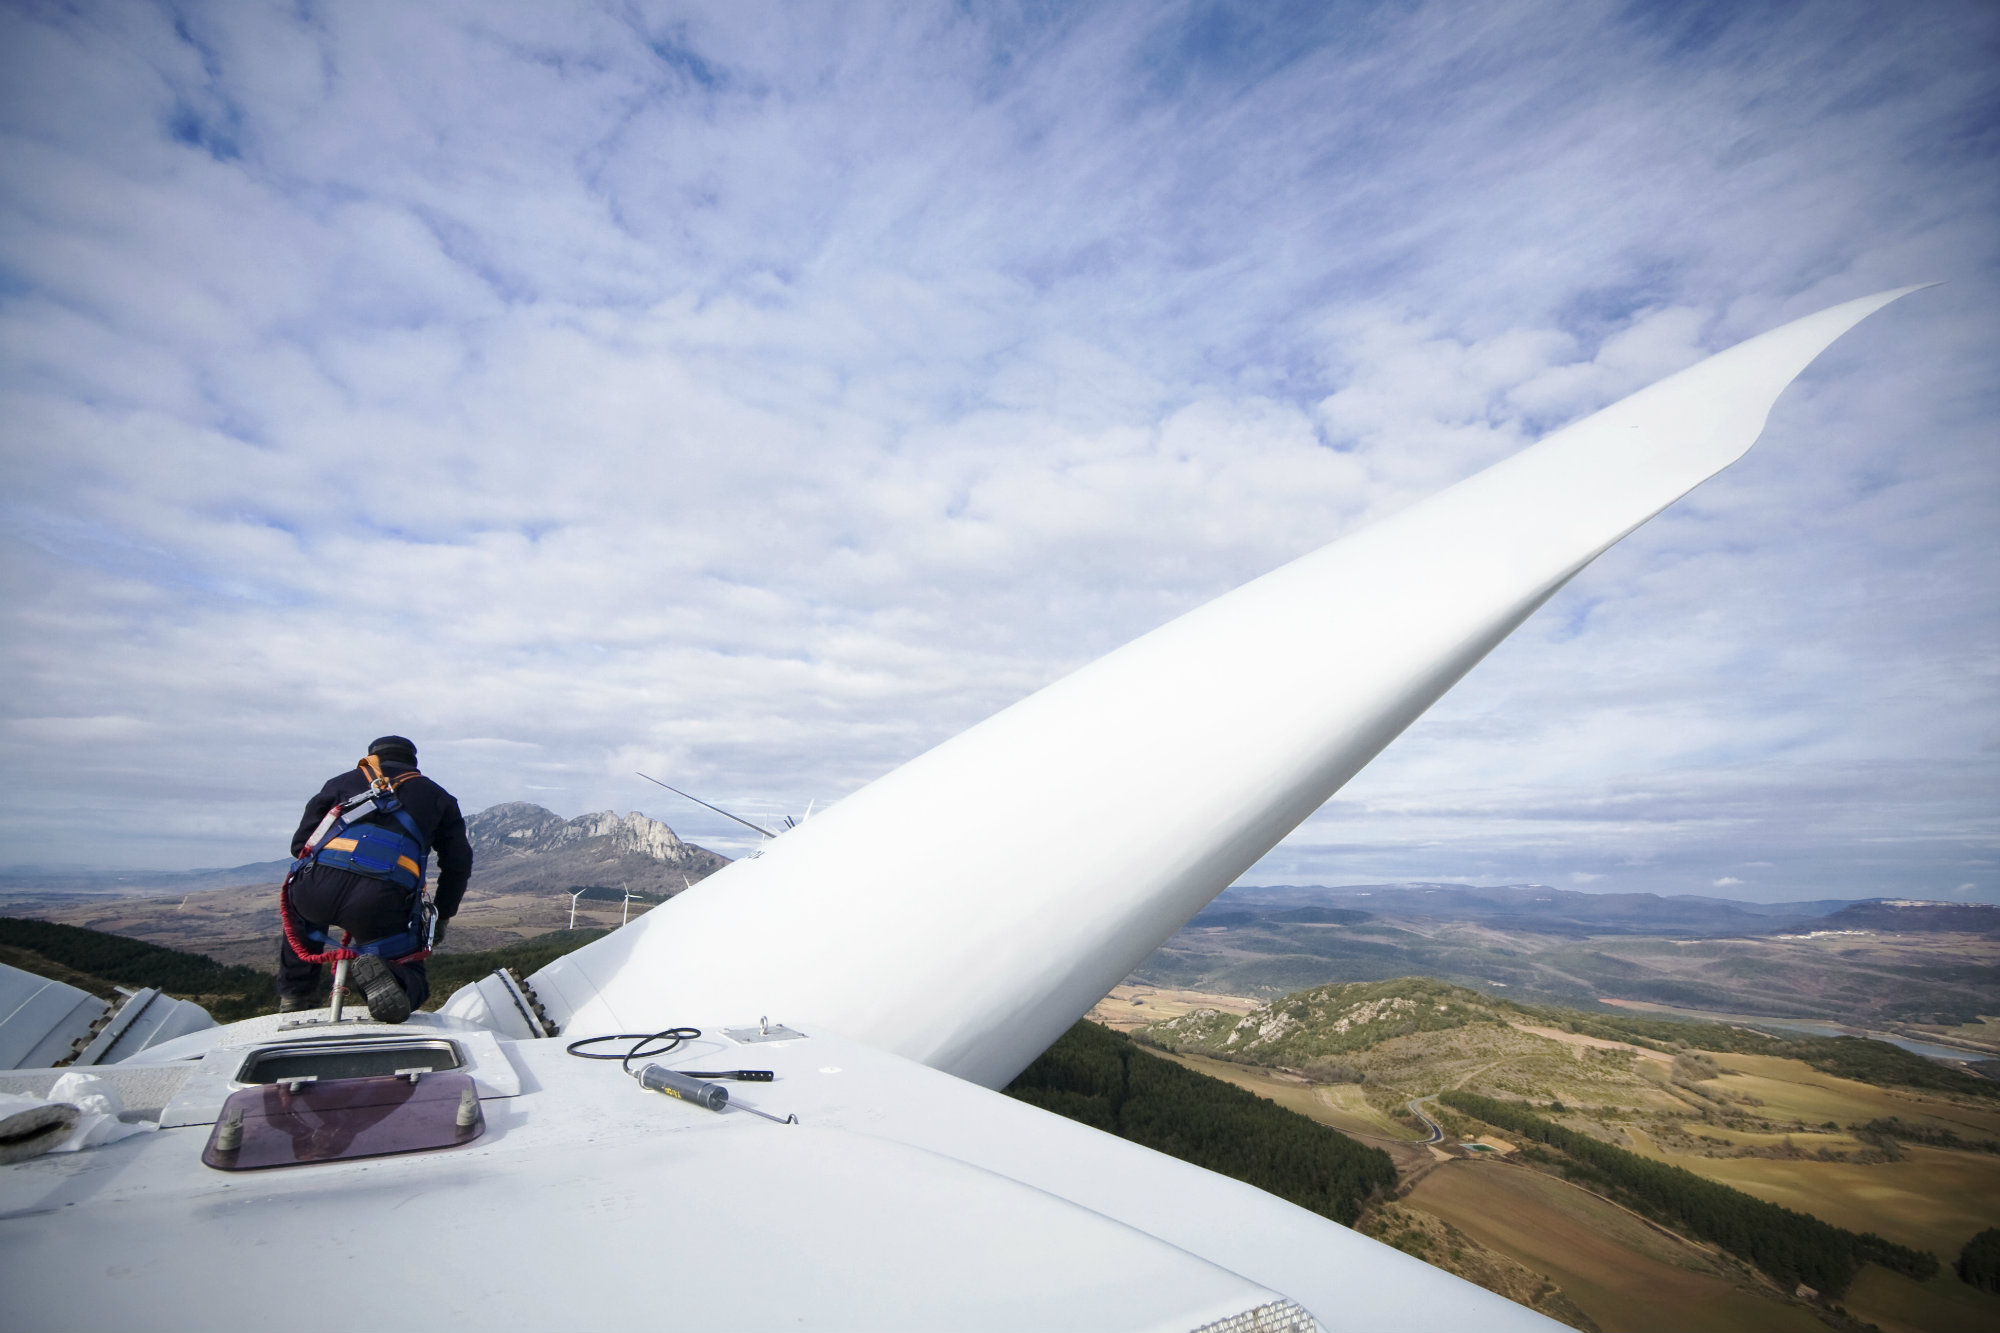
(757,395)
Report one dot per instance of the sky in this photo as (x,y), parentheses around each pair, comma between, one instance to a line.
(757,395)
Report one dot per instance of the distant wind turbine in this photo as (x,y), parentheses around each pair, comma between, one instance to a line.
(572,905)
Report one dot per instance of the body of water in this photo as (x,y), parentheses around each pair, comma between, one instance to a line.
(1929,1050)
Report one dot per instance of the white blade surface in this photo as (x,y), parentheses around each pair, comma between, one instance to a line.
(965,909)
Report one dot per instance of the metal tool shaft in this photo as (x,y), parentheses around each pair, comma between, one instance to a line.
(340,980)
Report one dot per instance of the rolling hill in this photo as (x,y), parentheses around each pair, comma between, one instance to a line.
(1852,1167)
(1910,967)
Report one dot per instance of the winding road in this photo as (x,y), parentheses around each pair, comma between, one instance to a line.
(1416,1105)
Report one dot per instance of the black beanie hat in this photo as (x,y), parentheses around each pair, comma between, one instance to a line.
(397,749)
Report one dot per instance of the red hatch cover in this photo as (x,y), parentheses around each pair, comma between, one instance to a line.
(341,1120)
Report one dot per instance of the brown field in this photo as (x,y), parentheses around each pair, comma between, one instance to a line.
(1793,1089)
(1430,1238)
(1809,1142)
(240,925)
(1578,1043)
(1610,1263)
(1621,1272)
(1936,1200)
(1941,1305)
(1128,1007)
(1338,1105)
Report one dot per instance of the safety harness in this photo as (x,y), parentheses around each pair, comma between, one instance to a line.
(355,838)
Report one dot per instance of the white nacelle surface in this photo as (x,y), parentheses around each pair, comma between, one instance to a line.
(904,1199)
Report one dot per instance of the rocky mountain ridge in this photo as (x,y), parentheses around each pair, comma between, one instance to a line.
(1326,1020)
(518,846)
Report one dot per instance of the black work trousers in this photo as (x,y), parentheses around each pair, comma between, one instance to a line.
(369,909)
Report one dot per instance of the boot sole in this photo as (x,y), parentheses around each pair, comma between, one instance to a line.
(387,1001)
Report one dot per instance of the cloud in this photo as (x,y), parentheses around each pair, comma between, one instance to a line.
(760,405)
(69,730)
(1726,882)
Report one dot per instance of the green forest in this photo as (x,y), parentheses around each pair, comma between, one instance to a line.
(1786,1244)
(96,961)
(1979,1262)
(228,992)
(1104,1080)
(449,971)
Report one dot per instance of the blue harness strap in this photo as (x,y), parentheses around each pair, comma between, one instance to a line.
(394,853)
(377,851)
(354,839)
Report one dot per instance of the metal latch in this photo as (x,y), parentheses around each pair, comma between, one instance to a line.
(765,1030)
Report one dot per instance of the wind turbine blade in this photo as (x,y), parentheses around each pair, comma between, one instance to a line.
(966,908)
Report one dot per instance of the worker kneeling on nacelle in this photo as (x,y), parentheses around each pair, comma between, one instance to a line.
(359,859)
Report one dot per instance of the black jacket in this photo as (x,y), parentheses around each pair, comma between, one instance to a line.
(435,812)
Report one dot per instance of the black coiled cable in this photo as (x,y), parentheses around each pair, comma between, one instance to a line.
(674,1038)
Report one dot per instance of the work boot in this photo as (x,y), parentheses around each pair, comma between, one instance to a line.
(289,1004)
(388,1002)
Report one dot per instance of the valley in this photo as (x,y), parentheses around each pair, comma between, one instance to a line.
(1923,972)
(240,925)
(527,863)
(1918,1166)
